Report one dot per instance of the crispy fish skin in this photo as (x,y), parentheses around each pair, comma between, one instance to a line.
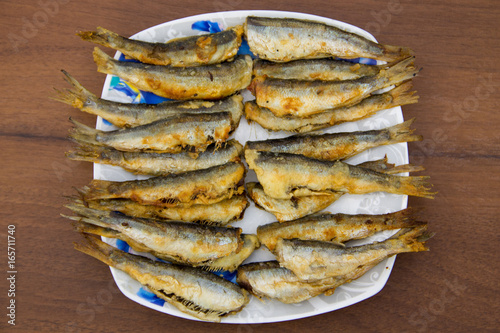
(269,279)
(401,95)
(285,175)
(302,98)
(338,228)
(220,214)
(207,186)
(188,243)
(179,52)
(158,164)
(202,82)
(289,209)
(314,69)
(132,115)
(286,39)
(229,262)
(196,292)
(315,260)
(297,207)
(337,146)
(169,135)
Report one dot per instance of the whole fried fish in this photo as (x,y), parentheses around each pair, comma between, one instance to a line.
(207,186)
(337,146)
(170,135)
(199,293)
(302,98)
(131,115)
(202,82)
(314,69)
(315,260)
(179,52)
(337,228)
(269,279)
(285,39)
(159,164)
(284,176)
(297,207)
(401,95)
(220,213)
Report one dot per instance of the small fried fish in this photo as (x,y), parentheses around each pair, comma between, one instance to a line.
(202,82)
(285,39)
(337,228)
(302,98)
(315,260)
(401,95)
(179,52)
(159,164)
(132,115)
(337,146)
(199,293)
(207,186)
(285,175)
(170,135)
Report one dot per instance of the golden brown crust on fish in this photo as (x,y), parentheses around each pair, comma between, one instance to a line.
(202,82)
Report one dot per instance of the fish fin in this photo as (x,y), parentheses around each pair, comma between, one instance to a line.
(104,62)
(402,95)
(96,248)
(82,134)
(393,53)
(403,133)
(77,97)
(400,72)
(416,186)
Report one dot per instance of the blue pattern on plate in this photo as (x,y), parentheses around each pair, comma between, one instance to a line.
(122,245)
(366,61)
(208,26)
(149,296)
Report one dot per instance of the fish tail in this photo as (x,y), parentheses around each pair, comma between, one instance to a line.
(415,238)
(76,96)
(405,218)
(87,228)
(416,186)
(105,64)
(98,189)
(403,133)
(392,53)
(89,153)
(402,95)
(101,36)
(400,72)
(392,170)
(97,249)
(83,134)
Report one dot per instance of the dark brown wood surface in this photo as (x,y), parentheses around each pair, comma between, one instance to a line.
(452,288)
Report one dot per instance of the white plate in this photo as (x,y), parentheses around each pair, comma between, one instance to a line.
(376,203)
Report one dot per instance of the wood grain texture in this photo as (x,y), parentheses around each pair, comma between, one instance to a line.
(452,288)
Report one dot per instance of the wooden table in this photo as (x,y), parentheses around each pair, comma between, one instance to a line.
(452,288)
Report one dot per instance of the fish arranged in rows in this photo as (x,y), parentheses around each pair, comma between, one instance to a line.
(401,95)
(132,115)
(196,292)
(308,268)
